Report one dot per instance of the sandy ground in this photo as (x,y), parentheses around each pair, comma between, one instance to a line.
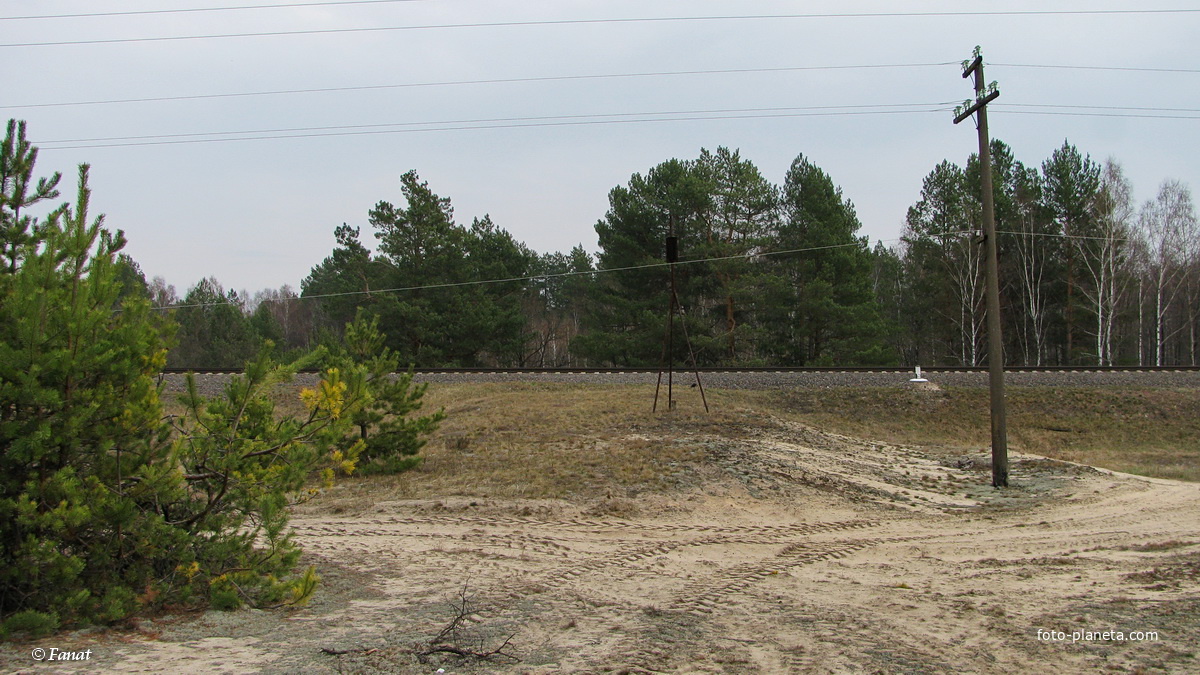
(788,551)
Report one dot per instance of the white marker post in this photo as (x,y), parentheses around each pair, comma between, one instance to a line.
(918,378)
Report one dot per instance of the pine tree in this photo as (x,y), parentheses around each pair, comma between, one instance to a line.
(345,280)
(106,510)
(945,267)
(18,191)
(742,219)
(435,313)
(390,435)
(214,331)
(556,305)
(825,308)
(626,326)
(1071,188)
(81,441)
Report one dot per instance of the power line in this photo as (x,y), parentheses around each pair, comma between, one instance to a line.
(1127,112)
(501,119)
(563,275)
(535,277)
(524,122)
(556,78)
(189,10)
(506,123)
(1097,107)
(335,3)
(976,232)
(559,78)
(1131,69)
(597,272)
(506,80)
(578,22)
(1061,235)
(493,120)
(1102,114)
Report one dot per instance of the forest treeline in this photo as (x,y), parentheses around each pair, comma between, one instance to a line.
(768,275)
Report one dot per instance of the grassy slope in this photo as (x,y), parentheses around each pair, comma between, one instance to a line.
(1152,432)
(542,441)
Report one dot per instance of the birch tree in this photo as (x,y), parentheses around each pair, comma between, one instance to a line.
(1167,228)
(940,232)
(1106,254)
(1033,246)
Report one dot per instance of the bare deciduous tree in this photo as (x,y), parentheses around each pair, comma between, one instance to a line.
(1168,229)
(1106,254)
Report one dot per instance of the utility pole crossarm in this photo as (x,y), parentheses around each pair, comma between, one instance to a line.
(975,67)
(977,106)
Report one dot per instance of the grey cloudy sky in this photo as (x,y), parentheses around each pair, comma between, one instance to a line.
(260,212)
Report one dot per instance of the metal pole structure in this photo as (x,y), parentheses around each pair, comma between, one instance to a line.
(691,353)
(663,359)
(674,305)
(995,339)
(668,356)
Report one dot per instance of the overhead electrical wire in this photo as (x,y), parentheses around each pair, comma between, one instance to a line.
(497,123)
(503,80)
(1096,107)
(567,120)
(542,121)
(563,275)
(496,119)
(193,10)
(1126,112)
(336,3)
(557,78)
(536,277)
(1061,235)
(1130,69)
(1068,113)
(580,22)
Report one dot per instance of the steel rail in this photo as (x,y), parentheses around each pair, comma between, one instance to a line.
(747,369)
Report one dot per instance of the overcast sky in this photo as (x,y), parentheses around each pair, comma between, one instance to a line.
(260,212)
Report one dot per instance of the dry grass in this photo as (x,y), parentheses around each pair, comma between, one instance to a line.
(1154,432)
(569,441)
(544,441)
(584,442)
(550,441)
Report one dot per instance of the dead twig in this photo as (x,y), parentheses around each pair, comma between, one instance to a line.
(341,652)
(469,653)
(462,610)
(449,641)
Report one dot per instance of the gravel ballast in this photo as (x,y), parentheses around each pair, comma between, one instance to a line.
(211,384)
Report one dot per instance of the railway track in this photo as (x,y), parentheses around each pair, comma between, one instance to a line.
(770,369)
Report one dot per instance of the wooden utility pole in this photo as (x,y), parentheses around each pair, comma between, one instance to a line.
(995,340)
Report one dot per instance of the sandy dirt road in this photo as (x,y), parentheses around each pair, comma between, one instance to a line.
(789,551)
